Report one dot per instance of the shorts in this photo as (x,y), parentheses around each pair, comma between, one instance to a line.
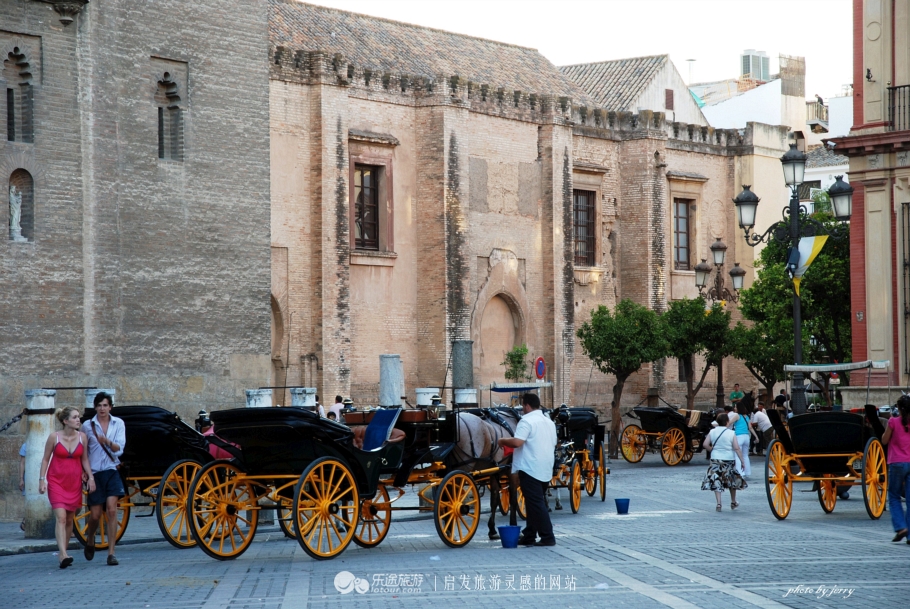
(107,484)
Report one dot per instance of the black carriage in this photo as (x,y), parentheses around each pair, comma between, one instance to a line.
(830,450)
(342,493)
(161,456)
(677,433)
(580,455)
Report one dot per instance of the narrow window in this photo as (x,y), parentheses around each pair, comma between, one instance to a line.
(366,207)
(11,115)
(160,133)
(585,234)
(681,370)
(668,99)
(170,119)
(681,233)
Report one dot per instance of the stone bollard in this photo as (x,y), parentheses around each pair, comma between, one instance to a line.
(462,364)
(653,400)
(304,397)
(258,398)
(91,393)
(391,380)
(39,518)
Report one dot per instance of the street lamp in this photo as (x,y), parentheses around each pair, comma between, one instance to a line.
(719,292)
(795,224)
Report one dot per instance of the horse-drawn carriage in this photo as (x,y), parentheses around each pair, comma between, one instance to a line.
(830,449)
(580,455)
(161,456)
(328,490)
(677,433)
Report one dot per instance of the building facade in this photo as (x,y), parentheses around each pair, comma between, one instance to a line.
(135,252)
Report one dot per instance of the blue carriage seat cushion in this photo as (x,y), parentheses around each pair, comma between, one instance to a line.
(380,428)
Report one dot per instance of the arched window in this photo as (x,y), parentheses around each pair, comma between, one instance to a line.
(18,77)
(21,198)
(170,119)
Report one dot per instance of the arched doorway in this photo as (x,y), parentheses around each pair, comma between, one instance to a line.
(499,332)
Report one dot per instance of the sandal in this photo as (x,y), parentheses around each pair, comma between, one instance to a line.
(734,505)
(718,507)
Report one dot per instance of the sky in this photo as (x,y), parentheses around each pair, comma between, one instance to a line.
(712,32)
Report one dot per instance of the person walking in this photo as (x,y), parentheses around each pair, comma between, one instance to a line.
(742,427)
(63,468)
(534,444)
(763,427)
(897,439)
(106,440)
(722,473)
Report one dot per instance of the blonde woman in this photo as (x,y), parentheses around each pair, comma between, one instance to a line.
(64,466)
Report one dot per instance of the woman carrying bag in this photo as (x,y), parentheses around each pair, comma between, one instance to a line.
(722,473)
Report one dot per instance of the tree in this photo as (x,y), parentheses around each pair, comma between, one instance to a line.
(516,364)
(690,330)
(824,296)
(619,344)
(764,349)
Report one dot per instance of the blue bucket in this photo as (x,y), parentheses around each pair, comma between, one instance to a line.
(509,536)
(622,506)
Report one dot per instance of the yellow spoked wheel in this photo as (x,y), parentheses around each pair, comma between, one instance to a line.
(576,482)
(875,478)
(602,472)
(688,453)
(632,443)
(222,509)
(328,508)
(286,517)
(520,504)
(504,502)
(375,518)
(80,522)
(589,470)
(171,503)
(457,509)
(827,495)
(778,480)
(673,446)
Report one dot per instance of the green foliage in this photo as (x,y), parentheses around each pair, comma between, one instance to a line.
(516,364)
(825,300)
(821,201)
(620,343)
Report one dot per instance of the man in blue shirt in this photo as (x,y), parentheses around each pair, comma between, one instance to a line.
(535,445)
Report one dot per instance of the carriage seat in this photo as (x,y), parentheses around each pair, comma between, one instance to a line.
(694,418)
(380,430)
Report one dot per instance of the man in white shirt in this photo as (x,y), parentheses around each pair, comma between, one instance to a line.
(761,422)
(535,445)
(337,407)
(106,440)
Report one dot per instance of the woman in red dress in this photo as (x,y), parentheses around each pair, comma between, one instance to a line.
(64,466)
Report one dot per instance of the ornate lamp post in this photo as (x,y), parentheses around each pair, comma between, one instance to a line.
(794,225)
(718,293)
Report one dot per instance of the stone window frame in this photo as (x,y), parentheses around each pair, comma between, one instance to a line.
(590,237)
(685,186)
(590,177)
(376,150)
(688,205)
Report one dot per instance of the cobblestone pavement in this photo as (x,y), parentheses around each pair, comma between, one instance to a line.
(672,549)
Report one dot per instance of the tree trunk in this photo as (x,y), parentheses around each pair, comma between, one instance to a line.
(616,422)
(690,395)
(769,395)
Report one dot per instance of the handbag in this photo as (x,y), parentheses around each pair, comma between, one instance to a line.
(103,447)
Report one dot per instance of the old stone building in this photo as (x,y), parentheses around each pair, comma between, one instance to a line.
(430,186)
(134,155)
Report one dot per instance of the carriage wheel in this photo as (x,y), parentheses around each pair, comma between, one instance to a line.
(171,503)
(286,517)
(875,478)
(673,446)
(590,475)
(375,519)
(778,480)
(457,509)
(504,501)
(80,522)
(520,504)
(602,472)
(827,495)
(576,482)
(632,443)
(327,507)
(222,509)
